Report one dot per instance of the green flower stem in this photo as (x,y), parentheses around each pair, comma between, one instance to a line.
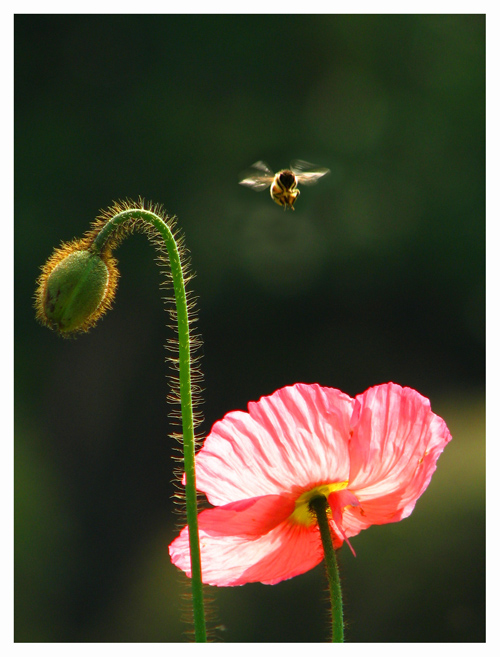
(185,396)
(319,506)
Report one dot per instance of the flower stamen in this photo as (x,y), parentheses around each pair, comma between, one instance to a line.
(302,513)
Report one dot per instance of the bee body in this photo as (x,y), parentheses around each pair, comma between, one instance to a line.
(283,185)
(284,190)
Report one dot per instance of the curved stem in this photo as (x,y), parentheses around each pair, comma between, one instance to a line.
(319,506)
(186,400)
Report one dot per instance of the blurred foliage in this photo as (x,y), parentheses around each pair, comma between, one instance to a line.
(378,275)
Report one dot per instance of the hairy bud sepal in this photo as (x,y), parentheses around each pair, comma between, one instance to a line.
(76,287)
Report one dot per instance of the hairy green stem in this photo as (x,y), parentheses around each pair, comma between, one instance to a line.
(186,399)
(319,506)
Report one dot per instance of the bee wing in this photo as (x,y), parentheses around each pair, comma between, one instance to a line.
(262,166)
(307,173)
(260,178)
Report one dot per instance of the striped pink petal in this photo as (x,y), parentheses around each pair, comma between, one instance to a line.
(396,441)
(296,435)
(229,559)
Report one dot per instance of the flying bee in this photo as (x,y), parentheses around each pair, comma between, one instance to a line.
(283,185)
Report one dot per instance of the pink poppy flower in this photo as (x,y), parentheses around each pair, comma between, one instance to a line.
(371,457)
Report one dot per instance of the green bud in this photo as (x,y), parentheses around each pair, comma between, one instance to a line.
(74,293)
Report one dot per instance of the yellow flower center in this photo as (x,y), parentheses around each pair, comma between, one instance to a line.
(301,514)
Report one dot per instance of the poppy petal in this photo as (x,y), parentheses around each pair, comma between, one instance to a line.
(286,551)
(287,440)
(396,441)
(253,517)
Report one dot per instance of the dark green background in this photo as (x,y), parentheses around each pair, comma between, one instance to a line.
(378,276)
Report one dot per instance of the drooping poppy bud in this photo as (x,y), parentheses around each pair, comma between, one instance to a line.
(76,287)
